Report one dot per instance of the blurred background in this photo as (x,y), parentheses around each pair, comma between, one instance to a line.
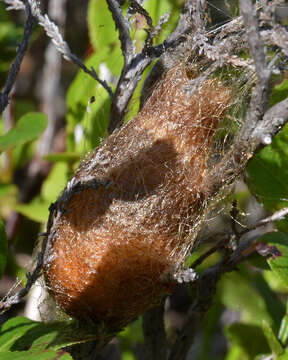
(33,174)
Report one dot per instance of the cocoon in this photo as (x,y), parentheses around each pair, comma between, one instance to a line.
(121,225)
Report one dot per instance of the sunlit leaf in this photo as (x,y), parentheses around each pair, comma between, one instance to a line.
(92,123)
(55,182)
(272,340)
(35,355)
(283,356)
(28,128)
(283,332)
(36,210)
(102,29)
(68,157)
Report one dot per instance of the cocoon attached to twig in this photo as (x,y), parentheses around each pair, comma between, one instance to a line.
(122,224)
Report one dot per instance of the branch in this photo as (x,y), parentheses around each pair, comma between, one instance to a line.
(123,26)
(15,67)
(255,42)
(50,86)
(135,66)
(247,143)
(278,215)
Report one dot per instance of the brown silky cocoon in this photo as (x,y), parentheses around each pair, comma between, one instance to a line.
(110,248)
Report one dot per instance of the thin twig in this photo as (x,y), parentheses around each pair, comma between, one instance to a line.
(6,303)
(278,215)
(136,7)
(247,143)
(220,244)
(257,48)
(15,67)
(134,67)
(122,24)
(50,86)
(92,73)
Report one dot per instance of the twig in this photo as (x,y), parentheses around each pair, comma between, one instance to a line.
(163,19)
(198,15)
(257,48)
(155,343)
(15,67)
(122,24)
(278,215)
(134,66)
(50,87)
(136,7)
(247,143)
(220,244)
(6,304)
(15,4)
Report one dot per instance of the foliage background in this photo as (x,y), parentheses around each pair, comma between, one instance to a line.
(249,316)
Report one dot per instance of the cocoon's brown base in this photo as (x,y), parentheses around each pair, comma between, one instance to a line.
(120,225)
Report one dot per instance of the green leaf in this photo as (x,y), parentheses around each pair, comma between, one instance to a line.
(274,282)
(249,338)
(28,128)
(104,36)
(278,262)
(101,26)
(35,355)
(283,356)
(268,173)
(68,157)
(36,210)
(7,189)
(3,248)
(55,182)
(274,305)
(79,94)
(20,333)
(237,353)
(272,340)
(280,92)
(237,294)
(283,332)
(210,326)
